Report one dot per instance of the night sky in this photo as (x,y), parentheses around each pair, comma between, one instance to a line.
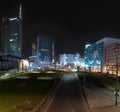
(71,24)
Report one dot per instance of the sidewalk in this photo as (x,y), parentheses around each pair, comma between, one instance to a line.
(99,102)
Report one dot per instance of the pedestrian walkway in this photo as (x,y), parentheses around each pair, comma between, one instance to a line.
(69,97)
(100,102)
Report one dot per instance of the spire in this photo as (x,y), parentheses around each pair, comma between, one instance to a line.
(20,12)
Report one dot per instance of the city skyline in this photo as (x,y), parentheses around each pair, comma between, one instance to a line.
(71,27)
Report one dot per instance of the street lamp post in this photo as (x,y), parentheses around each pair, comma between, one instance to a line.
(116,95)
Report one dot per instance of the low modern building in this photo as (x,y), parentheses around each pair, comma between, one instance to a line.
(70,60)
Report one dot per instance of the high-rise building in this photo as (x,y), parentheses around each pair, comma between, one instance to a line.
(45,49)
(89,54)
(11,42)
(11,38)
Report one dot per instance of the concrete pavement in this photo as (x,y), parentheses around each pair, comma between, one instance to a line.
(69,97)
(100,100)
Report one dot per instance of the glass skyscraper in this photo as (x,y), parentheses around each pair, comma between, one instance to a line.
(89,54)
(11,42)
(11,36)
(45,49)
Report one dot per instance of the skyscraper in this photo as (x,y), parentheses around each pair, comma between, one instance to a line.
(45,49)
(12,35)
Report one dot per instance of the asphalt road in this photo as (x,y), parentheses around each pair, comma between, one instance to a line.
(69,96)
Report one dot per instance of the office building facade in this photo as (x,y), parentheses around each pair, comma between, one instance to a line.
(45,49)
(11,42)
(11,36)
(112,58)
(70,60)
(94,53)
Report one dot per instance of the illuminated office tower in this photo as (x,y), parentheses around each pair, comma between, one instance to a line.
(45,49)
(11,38)
(89,54)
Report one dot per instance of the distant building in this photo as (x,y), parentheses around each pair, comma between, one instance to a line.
(94,53)
(45,49)
(11,36)
(101,44)
(72,60)
(111,58)
(11,41)
(90,54)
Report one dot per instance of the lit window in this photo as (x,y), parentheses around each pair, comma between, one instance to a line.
(15,34)
(44,49)
(11,40)
(12,19)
